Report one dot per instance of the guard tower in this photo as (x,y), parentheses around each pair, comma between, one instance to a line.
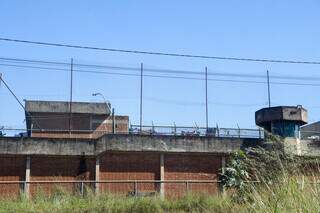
(284,121)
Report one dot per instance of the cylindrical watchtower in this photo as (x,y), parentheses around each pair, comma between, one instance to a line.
(284,121)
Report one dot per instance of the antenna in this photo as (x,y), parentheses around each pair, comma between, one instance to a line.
(268,81)
(207,122)
(71,88)
(141,90)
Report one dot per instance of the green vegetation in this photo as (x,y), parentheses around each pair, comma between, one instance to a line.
(285,184)
(285,197)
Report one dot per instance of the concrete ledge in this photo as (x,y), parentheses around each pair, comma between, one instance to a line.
(125,142)
(45,146)
(171,143)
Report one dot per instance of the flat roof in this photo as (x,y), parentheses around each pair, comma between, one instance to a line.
(278,113)
(36,106)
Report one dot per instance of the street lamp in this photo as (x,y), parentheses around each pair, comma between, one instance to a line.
(109,107)
(104,99)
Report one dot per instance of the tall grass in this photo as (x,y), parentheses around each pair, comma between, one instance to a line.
(289,195)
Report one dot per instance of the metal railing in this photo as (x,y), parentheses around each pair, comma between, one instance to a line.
(149,130)
(196,131)
(128,187)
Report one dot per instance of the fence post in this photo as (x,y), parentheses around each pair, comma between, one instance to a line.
(135,188)
(187,187)
(82,188)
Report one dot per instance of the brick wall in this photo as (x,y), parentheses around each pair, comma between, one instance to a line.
(62,169)
(12,168)
(191,167)
(114,166)
(129,166)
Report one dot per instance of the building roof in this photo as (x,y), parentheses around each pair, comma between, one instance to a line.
(280,113)
(312,127)
(33,106)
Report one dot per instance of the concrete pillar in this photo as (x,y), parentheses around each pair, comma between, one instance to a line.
(27,177)
(223,167)
(162,175)
(97,174)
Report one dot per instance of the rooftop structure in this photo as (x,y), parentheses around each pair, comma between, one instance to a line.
(284,121)
(33,106)
(60,119)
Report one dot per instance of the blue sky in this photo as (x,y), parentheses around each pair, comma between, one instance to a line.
(254,29)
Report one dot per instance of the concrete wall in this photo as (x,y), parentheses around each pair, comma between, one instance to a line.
(126,143)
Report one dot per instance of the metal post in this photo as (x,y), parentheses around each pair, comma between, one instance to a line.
(82,188)
(141,90)
(218,130)
(206,72)
(187,187)
(135,188)
(268,80)
(70,104)
(259,133)
(113,122)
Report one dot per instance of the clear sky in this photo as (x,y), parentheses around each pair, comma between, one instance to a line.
(254,29)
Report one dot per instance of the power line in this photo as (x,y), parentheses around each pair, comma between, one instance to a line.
(163,76)
(161,53)
(137,69)
(17,99)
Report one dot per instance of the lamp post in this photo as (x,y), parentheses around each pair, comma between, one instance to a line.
(111,110)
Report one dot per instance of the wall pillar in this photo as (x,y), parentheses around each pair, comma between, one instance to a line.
(97,175)
(27,177)
(162,175)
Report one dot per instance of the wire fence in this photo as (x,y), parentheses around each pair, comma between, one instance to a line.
(196,131)
(142,130)
(138,188)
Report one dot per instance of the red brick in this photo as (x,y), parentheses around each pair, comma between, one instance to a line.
(12,168)
(129,166)
(191,167)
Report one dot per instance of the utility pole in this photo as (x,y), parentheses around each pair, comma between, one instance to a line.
(268,81)
(141,89)
(71,90)
(207,122)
